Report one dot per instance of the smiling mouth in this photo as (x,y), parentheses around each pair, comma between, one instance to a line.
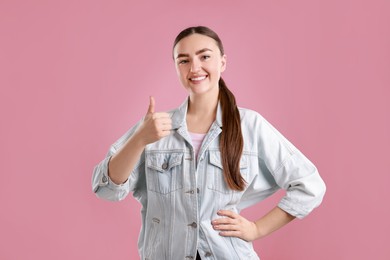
(197,79)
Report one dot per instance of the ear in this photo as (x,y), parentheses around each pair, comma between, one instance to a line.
(223,63)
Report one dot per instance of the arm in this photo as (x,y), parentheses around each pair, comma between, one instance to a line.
(232,224)
(272,221)
(290,170)
(113,172)
(123,162)
(154,127)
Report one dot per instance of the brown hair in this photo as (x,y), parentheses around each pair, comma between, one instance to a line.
(231,142)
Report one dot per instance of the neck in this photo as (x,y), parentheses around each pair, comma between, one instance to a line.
(202,105)
(201,112)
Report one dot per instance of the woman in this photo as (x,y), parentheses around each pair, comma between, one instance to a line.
(195,168)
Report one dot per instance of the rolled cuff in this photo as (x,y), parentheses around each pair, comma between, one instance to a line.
(104,187)
(293,209)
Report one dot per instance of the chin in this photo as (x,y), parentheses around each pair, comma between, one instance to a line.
(202,91)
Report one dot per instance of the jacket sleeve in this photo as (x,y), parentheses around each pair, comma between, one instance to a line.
(103,186)
(292,172)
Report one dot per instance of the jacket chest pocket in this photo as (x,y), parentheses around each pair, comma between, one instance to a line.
(215,173)
(164,172)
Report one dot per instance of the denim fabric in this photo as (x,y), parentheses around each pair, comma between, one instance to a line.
(180,195)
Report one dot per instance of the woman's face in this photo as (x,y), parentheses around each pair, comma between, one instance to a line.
(199,64)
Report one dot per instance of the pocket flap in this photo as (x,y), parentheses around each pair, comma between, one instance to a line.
(216,160)
(164,161)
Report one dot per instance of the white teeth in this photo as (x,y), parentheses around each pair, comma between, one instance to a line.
(198,78)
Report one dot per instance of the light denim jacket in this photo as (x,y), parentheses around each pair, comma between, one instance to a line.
(180,195)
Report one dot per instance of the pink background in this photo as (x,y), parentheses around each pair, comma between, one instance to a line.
(75,75)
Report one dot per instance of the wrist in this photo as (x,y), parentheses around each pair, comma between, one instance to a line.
(138,140)
(260,230)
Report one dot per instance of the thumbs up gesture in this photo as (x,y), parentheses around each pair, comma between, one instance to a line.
(156,125)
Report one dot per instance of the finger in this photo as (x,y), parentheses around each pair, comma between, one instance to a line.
(162,124)
(165,133)
(151,105)
(222,221)
(226,227)
(227,213)
(166,128)
(163,121)
(230,233)
(161,115)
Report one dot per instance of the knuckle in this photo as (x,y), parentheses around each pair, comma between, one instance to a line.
(161,134)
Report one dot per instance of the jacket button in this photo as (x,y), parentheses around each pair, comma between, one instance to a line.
(208,254)
(104,179)
(193,224)
(164,166)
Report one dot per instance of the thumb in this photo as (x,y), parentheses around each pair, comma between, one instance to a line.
(151,105)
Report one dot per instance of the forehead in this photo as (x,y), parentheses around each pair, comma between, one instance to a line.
(193,43)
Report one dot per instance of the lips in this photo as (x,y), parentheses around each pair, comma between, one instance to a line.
(198,78)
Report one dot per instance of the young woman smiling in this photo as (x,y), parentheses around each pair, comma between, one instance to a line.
(193,169)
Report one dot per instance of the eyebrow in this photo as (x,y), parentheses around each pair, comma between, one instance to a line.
(197,53)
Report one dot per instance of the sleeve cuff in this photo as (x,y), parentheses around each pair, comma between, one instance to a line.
(293,208)
(103,180)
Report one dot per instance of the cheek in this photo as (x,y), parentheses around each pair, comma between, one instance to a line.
(180,71)
(177,70)
(182,76)
(214,71)
(214,67)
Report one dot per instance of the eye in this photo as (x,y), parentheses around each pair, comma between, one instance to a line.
(205,57)
(183,61)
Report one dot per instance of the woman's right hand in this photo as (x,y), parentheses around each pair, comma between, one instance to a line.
(156,125)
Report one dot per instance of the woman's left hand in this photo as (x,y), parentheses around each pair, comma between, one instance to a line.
(234,225)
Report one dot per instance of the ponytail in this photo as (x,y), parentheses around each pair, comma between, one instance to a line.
(231,142)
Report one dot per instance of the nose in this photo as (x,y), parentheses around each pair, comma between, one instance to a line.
(195,66)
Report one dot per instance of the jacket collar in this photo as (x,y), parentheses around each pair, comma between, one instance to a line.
(179,115)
